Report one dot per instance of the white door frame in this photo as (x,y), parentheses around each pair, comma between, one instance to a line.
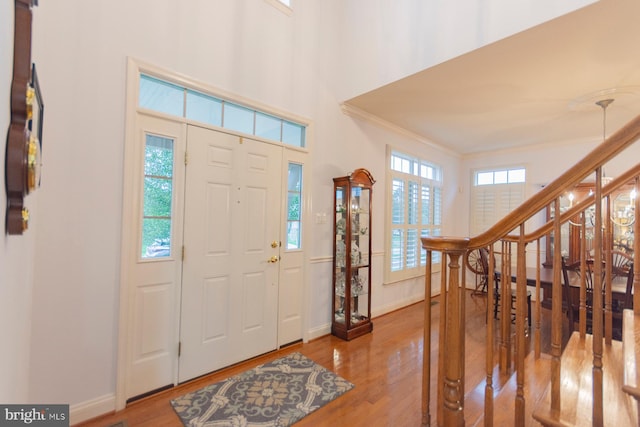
(131,171)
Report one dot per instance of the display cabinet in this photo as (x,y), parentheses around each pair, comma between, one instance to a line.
(351,305)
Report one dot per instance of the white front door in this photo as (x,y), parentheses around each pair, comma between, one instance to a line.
(229,307)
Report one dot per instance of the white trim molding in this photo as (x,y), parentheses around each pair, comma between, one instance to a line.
(361,114)
(92,408)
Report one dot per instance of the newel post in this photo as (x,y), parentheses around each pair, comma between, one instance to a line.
(453,251)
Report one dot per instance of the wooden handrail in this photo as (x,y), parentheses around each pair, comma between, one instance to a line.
(607,190)
(615,144)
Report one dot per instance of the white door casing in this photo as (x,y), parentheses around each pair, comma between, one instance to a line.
(150,290)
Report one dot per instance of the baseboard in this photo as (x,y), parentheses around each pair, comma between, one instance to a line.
(323,330)
(318,332)
(93,408)
(396,306)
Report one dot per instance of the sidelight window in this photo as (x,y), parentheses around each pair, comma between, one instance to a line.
(158,195)
(294,206)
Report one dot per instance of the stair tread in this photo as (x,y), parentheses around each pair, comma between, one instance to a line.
(631,348)
(537,376)
(576,384)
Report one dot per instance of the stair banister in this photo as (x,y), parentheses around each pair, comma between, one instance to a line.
(578,207)
(451,372)
(426,343)
(613,146)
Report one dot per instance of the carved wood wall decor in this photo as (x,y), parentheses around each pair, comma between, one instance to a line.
(22,157)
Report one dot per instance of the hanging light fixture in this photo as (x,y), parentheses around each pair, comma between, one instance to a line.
(604,103)
(590,212)
(626,215)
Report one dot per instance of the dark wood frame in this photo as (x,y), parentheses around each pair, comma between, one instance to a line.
(16,155)
(347,330)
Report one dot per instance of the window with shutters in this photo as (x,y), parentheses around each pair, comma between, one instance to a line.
(415,207)
(495,193)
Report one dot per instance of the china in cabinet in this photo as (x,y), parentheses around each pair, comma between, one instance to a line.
(351,305)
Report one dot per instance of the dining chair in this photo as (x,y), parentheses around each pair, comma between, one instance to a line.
(571,304)
(620,304)
(496,302)
(620,264)
(571,275)
(568,305)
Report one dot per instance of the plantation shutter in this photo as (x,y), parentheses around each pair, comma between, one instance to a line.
(491,203)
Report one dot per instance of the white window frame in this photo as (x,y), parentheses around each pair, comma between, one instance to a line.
(413,175)
(494,193)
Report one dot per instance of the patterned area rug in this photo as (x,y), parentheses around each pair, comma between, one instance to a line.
(278,393)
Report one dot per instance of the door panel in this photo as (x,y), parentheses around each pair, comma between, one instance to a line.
(153,283)
(214,306)
(292,272)
(218,207)
(229,289)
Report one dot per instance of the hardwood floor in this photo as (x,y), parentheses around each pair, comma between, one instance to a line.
(385,366)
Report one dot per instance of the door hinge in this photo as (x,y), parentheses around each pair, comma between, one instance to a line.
(179,348)
(182,252)
(186,158)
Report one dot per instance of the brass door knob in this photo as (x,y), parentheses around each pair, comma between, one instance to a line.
(273,259)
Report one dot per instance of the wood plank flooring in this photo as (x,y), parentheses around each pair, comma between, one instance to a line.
(385,366)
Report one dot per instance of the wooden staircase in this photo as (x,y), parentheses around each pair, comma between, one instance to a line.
(577,388)
(539,372)
(631,355)
(621,381)
(594,380)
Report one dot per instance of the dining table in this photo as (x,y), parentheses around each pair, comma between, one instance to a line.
(618,287)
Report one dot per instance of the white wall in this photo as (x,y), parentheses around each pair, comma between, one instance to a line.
(16,252)
(401,37)
(241,46)
(305,64)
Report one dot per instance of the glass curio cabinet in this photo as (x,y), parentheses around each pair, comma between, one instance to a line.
(352,255)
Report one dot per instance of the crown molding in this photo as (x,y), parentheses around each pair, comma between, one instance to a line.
(371,118)
(530,147)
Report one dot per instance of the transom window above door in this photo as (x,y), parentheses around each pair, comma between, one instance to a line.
(176,100)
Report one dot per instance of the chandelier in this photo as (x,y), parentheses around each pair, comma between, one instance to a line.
(623,212)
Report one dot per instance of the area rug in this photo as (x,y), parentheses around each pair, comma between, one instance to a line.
(277,393)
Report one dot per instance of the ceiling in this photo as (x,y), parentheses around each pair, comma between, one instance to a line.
(536,87)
